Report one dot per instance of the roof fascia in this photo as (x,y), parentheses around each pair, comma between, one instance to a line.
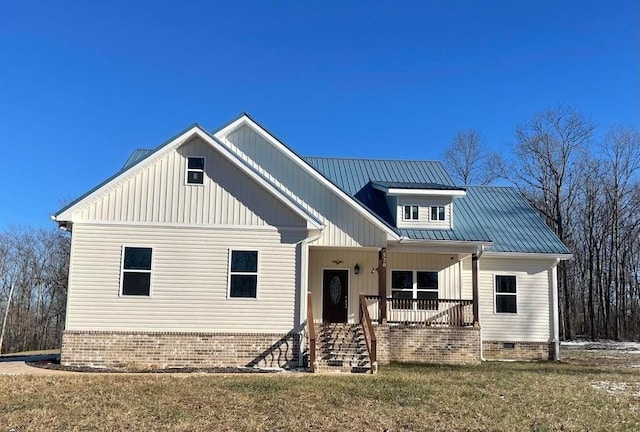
(425,192)
(562,257)
(408,241)
(245,119)
(65,214)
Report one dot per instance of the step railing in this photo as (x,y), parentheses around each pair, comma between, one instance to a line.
(369,333)
(311,332)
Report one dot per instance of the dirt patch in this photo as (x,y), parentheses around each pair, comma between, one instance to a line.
(54,364)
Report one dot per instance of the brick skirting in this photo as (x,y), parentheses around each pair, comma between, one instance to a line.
(426,344)
(506,350)
(142,350)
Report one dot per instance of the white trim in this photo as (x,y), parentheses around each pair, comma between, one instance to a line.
(550,256)
(409,241)
(411,219)
(122,270)
(553,275)
(414,288)
(245,120)
(266,228)
(187,170)
(256,274)
(424,192)
(437,207)
(348,270)
(195,131)
(495,293)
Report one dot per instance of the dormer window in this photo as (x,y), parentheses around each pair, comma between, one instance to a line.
(410,212)
(195,170)
(437,213)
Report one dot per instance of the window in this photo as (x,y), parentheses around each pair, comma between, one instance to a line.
(506,294)
(407,285)
(437,213)
(243,274)
(410,212)
(136,271)
(195,170)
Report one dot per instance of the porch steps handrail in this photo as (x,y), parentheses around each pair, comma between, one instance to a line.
(311,330)
(367,326)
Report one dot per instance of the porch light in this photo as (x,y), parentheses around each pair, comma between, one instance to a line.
(356,269)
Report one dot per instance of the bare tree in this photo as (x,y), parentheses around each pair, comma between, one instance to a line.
(468,160)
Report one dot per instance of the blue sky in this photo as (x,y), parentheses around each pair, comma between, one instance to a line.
(82,84)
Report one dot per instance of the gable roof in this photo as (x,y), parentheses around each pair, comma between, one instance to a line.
(486,214)
(141,157)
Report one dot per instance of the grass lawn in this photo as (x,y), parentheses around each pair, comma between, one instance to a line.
(591,391)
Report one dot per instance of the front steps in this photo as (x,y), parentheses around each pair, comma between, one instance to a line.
(342,348)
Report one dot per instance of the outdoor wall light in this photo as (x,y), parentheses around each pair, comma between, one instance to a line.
(356,269)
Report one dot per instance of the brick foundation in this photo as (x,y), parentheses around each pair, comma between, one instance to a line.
(424,344)
(507,350)
(137,350)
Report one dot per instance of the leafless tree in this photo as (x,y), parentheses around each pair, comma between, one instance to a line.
(468,159)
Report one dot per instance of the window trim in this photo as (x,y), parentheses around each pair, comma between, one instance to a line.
(438,207)
(414,289)
(496,294)
(187,170)
(256,273)
(122,270)
(411,219)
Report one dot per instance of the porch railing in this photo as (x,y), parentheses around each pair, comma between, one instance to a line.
(440,312)
(369,333)
(311,332)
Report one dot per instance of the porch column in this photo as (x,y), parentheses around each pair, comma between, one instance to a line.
(474,279)
(382,284)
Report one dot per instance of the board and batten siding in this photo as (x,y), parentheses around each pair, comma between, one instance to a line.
(531,323)
(345,227)
(188,281)
(366,282)
(424,204)
(158,193)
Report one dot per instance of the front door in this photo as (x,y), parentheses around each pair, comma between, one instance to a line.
(335,289)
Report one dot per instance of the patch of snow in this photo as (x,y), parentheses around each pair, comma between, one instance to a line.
(617,388)
(630,347)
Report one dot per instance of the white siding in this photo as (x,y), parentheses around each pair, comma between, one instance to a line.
(158,194)
(531,323)
(424,212)
(447,266)
(366,282)
(344,225)
(189,280)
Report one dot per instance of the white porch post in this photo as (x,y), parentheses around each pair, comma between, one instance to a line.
(554,306)
(304,288)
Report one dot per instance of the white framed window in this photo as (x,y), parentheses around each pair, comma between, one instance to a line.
(410,212)
(243,274)
(195,170)
(410,285)
(437,213)
(506,294)
(135,271)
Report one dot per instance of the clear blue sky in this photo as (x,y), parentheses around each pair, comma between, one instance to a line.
(84,83)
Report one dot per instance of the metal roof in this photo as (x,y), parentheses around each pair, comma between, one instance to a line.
(136,157)
(407,185)
(486,213)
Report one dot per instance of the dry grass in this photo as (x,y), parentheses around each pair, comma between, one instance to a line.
(493,396)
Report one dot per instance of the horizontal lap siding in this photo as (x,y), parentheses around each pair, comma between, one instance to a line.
(344,225)
(447,267)
(424,212)
(189,280)
(531,323)
(158,194)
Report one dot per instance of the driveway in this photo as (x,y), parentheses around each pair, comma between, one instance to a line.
(16,365)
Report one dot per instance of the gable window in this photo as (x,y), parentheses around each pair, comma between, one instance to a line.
(437,213)
(195,170)
(410,212)
(414,289)
(243,274)
(506,294)
(135,274)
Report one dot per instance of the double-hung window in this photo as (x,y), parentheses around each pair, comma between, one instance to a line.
(195,170)
(135,274)
(414,289)
(411,212)
(506,295)
(243,273)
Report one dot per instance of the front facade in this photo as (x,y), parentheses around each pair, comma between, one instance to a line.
(219,249)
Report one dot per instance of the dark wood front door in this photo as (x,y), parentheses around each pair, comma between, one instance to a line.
(335,289)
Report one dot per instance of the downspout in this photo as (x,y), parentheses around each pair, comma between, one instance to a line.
(304,284)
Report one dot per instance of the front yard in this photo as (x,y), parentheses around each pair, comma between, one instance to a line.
(593,390)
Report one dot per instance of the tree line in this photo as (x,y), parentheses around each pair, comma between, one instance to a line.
(585,184)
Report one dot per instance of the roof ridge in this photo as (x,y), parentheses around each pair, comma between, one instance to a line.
(373,159)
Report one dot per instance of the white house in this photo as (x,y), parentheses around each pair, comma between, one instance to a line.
(218,249)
